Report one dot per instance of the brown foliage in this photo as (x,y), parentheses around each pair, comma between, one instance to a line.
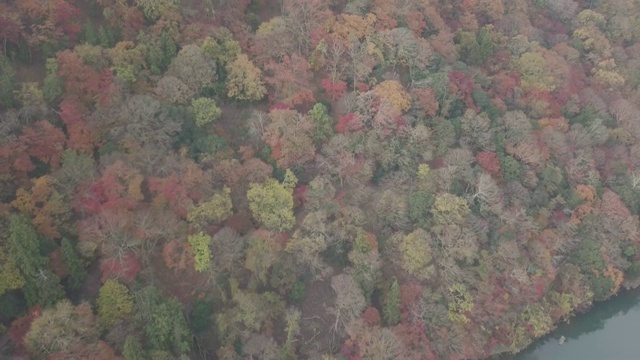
(290,81)
(82,83)
(289,134)
(177,255)
(371,316)
(425,100)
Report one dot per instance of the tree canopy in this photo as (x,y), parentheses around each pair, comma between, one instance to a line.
(313,179)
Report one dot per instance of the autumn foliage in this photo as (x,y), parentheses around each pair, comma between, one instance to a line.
(313,179)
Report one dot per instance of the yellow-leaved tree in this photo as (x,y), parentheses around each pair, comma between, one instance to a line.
(460,302)
(271,203)
(201,252)
(449,208)
(245,80)
(394,93)
(114,302)
(416,254)
(534,72)
(216,209)
(62,328)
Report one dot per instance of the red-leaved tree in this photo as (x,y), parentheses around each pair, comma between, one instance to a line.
(80,135)
(290,80)
(334,89)
(82,83)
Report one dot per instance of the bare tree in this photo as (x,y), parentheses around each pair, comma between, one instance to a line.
(349,304)
(303,18)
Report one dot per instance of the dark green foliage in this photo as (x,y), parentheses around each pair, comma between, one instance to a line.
(578,44)
(481,99)
(278,173)
(511,167)
(630,196)
(133,349)
(89,34)
(169,50)
(629,251)
(24,246)
(93,9)
(468,47)
(201,315)
(7,82)
(19,52)
(601,287)
(461,66)
(209,144)
(634,79)
(456,109)
(53,86)
(42,286)
(457,126)
(108,148)
(458,187)
(198,141)
(493,112)
(471,50)
(161,50)
(585,117)
(634,270)
(337,254)
(44,289)
(323,123)
(487,46)
(163,321)
(528,253)
(49,49)
(297,291)
(12,305)
(539,198)
(41,169)
(391,309)
(108,37)
(573,200)
(282,278)
(378,173)
(551,180)
(501,141)
(440,83)
(445,136)
(589,258)
(74,263)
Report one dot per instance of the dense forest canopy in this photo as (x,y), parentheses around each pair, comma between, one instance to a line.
(313,179)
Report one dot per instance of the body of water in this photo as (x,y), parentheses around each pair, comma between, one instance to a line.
(609,331)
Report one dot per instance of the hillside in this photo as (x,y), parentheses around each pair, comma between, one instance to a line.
(313,179)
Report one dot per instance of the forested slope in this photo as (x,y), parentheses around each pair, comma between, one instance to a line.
(313,179)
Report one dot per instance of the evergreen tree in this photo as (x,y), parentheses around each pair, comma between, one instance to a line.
(7,82)
(133,349)
(164,323)
(42,286)
(44,289)
(391,310)
(52,87)
(323,123)
(114,302)
(24,246)
(74,263)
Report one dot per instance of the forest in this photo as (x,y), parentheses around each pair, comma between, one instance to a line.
(313,179)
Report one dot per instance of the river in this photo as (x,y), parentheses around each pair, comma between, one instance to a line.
(609,331)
